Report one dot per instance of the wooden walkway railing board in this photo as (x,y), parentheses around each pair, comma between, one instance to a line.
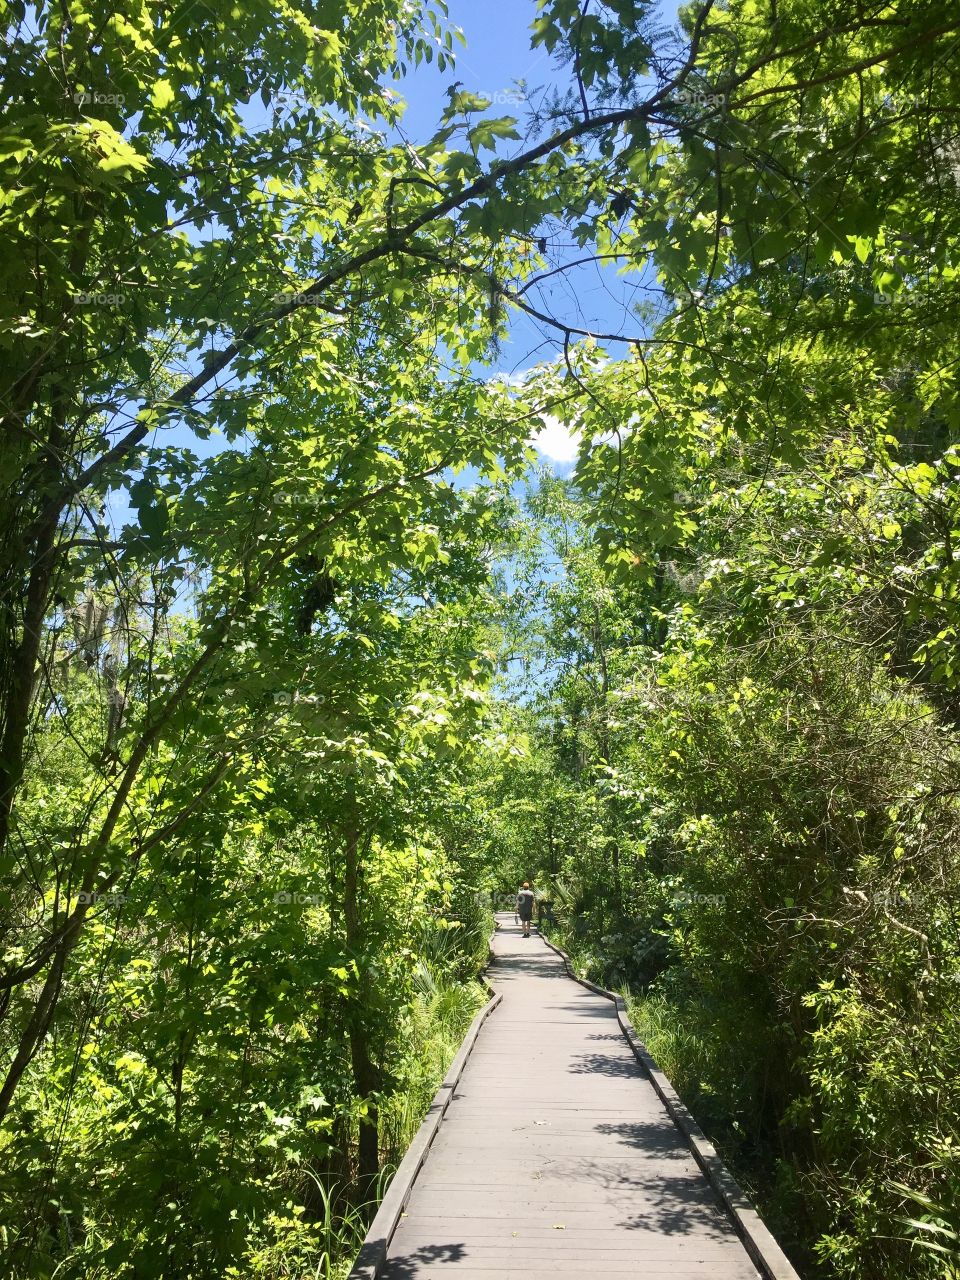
(555,1156)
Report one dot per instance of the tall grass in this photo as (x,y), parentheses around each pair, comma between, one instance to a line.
(930,1229)
(443,1008)
(447,996)
(290,1247)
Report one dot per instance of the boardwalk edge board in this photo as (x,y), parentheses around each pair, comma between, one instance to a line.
(376,1243)
(758,1241)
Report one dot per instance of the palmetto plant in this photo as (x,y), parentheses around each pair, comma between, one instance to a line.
(933,1228)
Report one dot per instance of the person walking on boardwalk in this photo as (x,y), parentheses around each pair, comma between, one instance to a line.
(525,906)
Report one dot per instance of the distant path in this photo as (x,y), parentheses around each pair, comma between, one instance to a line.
(556,1158)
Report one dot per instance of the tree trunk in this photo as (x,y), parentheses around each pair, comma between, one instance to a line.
(366,1074)
(36,1028)
(366,1078)
(21,674)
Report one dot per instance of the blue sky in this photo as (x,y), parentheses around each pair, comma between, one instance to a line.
(497,56)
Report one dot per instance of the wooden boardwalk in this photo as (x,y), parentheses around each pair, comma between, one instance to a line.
(555,1157)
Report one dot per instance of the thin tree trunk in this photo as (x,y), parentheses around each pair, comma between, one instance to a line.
(366,1074)
(22,681)
(617,887)
(36,1028)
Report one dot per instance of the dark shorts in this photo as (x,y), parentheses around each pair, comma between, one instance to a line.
(525,915)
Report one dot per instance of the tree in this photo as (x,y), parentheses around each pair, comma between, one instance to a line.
(211,233)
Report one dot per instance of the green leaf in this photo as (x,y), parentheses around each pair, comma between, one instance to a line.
(162,95)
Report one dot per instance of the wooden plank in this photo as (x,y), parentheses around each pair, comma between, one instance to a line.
(555,1156)
(372,1257)
(760,1243)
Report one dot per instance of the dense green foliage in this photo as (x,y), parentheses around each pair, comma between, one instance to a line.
(748,818)
(261,565)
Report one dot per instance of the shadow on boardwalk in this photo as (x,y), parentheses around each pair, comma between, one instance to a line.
(405,1268)
(556,1159)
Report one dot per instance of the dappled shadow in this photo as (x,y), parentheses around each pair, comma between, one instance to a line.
(656,1195)
(680,1203)
(676,1206)
(656,1138)
(629,1178)
(652,1197)
(526,956)
(605,1064)
(584,1010)
(406,1266)
(530,965)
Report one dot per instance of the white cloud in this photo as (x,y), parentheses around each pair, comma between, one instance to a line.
(557,441)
